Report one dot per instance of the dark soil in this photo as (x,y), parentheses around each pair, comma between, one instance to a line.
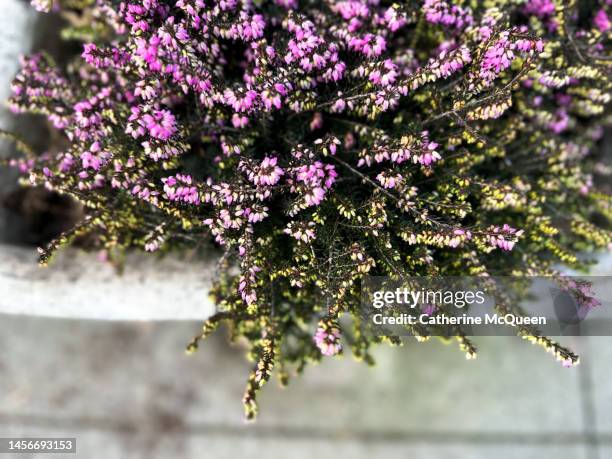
(37,215)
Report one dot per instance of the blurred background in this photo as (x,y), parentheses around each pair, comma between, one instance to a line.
(125,389)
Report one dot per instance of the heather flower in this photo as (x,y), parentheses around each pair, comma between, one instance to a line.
(160,124)
(45,6)
(493,110)
(338,106)
(180,188)
(23,166)
(560,122)
(239,121)
(155,239)
(503,237)
(582,292)
(540,8)
(389,181)
(601,21)
(386,76)
(449,62)
(394,18)
(313,181)
(303,231)
(242,101)
(316,122)
(370,45)
(267,173)
(497,58)
(428,309)
(416,149)
(327,338)
(248,28)
(287,4)
(441,12)
(246,285)
(554,80)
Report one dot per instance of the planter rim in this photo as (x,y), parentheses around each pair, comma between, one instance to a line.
(77,285)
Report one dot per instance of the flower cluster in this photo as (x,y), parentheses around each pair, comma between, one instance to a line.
(327,338)
(581,292)
(503,237)
(320,142)
(441,12)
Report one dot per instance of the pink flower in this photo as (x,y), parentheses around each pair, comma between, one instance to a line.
(540,8)
(241,101)
(504,237)
(180,188)
(269,173)
(161,124)
(317,179)
(395,20)
(601,21)
(45,6)
(338,106)
(303,231)
(327,338)
(560,121)
(370,45)
(239,121)
(497,58)
(441,12)
(389,181)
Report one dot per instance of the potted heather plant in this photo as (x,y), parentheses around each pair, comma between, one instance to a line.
(317,143)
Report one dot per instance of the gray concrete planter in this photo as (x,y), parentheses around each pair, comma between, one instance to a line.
(78,285)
